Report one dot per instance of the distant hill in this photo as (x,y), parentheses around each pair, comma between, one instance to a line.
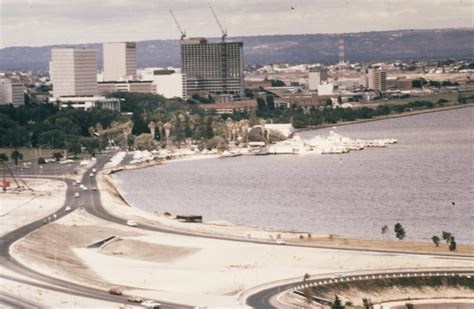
(308,48)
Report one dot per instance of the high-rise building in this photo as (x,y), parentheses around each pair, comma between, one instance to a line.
(120,61)
(316,77)
(169,83)
(212,67)
(11,92)
(73,71)
(377,80)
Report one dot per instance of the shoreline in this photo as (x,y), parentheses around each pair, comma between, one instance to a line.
(226,229)
(378,118)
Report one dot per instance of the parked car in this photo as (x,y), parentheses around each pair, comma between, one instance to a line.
(84,188)
(94,170)
(91,174)
(76,194)
(280,242)
(135,299)
(68,208)
(115,291)
(132,223)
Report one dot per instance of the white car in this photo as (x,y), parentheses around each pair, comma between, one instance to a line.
(91,175)
(84,188)
(94,170)
(68,208)
(151,304)
(132,223)
(280,242)
(76,194)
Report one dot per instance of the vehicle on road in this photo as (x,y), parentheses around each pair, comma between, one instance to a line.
(135,299)
(151,304)
(78,181)
(94,188)
(94,170)
(337,276)
(91,175)
(132,223)
(68,208)
(84,188)
(280,242)
(115,291)
(76,194)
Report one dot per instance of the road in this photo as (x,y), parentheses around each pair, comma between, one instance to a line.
(91,202)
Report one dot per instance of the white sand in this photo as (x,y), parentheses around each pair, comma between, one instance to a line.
(20,208)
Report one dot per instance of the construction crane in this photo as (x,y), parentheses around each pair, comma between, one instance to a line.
(183,32)
(223,31)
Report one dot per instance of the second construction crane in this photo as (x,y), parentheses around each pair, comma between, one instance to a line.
(223,30)
(183,32)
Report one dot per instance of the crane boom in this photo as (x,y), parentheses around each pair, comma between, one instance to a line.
(183,32)
(223,31)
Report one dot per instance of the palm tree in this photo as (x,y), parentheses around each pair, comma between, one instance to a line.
(152,127)
(16,155)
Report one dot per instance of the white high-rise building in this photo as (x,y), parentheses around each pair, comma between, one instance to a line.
(120,61)
(73,71)
(169,83)
(11,92)
(316,77)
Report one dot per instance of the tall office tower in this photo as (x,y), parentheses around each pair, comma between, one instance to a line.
(73,71)
(12,92)
(342,59)
(377,80)
(120,61)
(212,67)
(316,77)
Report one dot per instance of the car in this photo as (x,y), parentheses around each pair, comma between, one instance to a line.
(84,188)
(135,299)
(94,188)
(76,194)
(280,242)
(132,223)
(68,208)
(91,174)
(78,181)
(94,170)
(337,276)
(151,304)
(115,291)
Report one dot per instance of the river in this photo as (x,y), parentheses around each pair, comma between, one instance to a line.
(425,182)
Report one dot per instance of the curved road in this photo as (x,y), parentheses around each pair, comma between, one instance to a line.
(91,201)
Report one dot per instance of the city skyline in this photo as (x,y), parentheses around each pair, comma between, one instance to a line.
(72,22)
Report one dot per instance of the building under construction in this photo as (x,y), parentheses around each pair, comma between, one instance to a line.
(215,68)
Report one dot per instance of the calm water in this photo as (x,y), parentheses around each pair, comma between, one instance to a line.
(414,182)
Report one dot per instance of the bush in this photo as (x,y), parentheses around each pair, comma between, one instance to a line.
(41,160)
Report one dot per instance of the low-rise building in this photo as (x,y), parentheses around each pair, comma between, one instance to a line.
(169,83)
(125,86)
(229,108)
(89,102)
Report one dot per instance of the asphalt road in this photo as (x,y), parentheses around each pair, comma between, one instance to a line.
(91,202)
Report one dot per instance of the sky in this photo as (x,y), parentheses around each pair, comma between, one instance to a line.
(46,22)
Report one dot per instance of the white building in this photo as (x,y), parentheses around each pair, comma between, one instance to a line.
(11,92)
(87,103)
(73,71)
(316,77)
(120,61)
(168,83)
(325,89)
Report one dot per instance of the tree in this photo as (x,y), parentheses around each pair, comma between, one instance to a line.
(367,303)
(446,236)
(16,155)
(399,231)
(337,304)
(3,157)
(270,102)
(57,156)
(384,229)
(261,106)
(409,306)
(306,277)
(436,240)
(41,161)
(452,245)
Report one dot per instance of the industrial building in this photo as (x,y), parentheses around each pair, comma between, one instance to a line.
(120,61)
(73,71)
(215,68)
(12,92)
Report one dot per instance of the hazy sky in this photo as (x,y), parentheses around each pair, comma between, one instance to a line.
(44,22)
